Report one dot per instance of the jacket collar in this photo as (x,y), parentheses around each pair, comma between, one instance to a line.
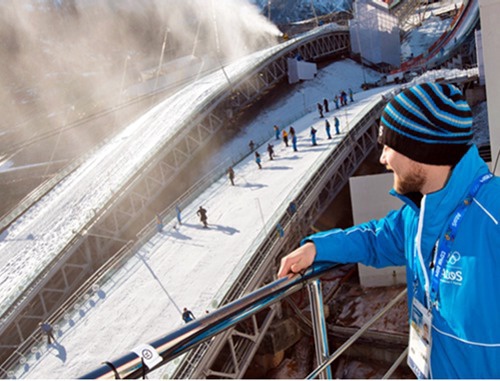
(458,186)
(437,208)
(446,199)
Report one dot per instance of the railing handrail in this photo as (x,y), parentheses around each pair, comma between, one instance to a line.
(186,337)
(179,341)
(91,283)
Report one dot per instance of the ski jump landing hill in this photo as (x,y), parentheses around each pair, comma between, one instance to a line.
(316,187)
(447,47)
(100,206)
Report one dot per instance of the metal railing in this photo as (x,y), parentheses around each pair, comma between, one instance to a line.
(197,332)
(89,287)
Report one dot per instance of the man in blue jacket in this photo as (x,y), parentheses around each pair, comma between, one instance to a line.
(447,234)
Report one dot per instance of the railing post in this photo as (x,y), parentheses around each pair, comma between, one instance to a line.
(319,325)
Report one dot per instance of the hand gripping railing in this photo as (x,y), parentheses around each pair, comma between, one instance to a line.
(177,342)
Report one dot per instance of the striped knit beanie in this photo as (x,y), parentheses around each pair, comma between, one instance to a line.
(430,123)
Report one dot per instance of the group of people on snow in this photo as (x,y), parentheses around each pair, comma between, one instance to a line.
(287,136)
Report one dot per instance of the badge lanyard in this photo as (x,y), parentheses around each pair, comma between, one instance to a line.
(420,317)
(444,246)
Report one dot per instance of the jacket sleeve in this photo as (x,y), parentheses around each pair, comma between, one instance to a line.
(375,243)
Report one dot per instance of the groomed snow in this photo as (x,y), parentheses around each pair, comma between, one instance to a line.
(188,266)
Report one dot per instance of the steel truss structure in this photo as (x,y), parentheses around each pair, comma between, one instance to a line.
(108,231)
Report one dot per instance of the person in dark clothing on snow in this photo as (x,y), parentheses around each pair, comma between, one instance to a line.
(48,331)
(325,103)
(230,174)
(270,150)
(292,131)
(203,216)
(187,315)
(343,98)
(313,136)
(251,145)
(327,127)
(320,110)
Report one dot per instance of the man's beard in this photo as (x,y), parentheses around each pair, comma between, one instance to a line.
(411,181)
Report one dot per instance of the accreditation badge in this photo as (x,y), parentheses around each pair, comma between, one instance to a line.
(419,354)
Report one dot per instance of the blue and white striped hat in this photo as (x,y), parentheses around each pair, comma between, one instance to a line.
(430,123)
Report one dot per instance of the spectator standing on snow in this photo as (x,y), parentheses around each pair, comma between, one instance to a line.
(294,142)
(351,95)
(230,174)
(320,110)
(251,145)
(187,315)
(276,132)
(203,216)
(327,128)
(292,131)
(178,214)
(325,104)
(270,150)
(337,125)
(258,159)
(313,136)
(48,331)
(285,137)
(159,223)
(343,98)
(336,101)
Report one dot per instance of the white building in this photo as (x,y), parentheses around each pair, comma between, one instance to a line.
(375,33)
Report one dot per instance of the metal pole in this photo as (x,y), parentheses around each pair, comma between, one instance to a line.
(319,326)
(217,42)
(396,364)
(161,58)
(357,22)
(261,215)
(314,13)
(356,336)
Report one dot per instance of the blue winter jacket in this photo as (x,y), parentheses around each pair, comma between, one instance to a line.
(466,323)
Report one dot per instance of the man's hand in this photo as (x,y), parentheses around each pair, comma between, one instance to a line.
(298,260)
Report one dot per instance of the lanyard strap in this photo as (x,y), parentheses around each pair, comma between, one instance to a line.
(446,242)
